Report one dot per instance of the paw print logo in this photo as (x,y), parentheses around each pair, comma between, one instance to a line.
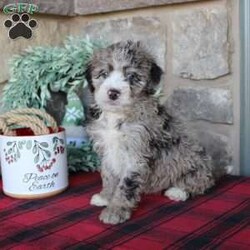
(20,26)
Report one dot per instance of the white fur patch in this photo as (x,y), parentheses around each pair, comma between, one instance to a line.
(115,155)
(176,194)
(98,200)
(114,81)
(229,169)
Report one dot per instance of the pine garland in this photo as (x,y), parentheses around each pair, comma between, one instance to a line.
(41,69)
(82,158)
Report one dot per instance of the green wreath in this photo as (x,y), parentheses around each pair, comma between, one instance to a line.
(42,74)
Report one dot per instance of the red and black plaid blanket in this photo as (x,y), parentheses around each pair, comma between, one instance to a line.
(218,220)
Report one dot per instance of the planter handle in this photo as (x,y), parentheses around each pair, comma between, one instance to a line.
(35,119)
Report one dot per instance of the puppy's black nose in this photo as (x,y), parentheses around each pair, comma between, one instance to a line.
(113,94)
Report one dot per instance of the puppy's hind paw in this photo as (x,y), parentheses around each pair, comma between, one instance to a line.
(176,194)
(113,215)
(98,200)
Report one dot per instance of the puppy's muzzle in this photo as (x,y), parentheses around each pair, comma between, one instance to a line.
(114,94)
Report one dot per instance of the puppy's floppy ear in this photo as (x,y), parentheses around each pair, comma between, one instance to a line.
(155,73)
(88,76)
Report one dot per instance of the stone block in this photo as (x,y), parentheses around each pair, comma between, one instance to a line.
(217,146)
(1,93)
(84,7)
(149,30)
(58,7)
(202,103)
(200,43)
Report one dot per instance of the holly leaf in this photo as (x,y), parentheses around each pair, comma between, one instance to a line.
(47,152)
(44,144)
(18,155)
(34,150)
(29,144)
(36,160)
(20,145)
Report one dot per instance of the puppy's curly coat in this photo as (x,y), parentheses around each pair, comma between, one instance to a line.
(143,149)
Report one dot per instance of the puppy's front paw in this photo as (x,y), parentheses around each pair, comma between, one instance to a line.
(114,215)
(98,200)
(176,194)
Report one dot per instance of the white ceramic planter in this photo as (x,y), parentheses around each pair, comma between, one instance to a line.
(33,166)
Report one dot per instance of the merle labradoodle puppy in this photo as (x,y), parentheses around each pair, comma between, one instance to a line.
(143,149)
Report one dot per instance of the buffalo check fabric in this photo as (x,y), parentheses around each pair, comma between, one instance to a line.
(220,219)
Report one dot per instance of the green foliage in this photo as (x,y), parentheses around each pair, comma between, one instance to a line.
(39,69)
(82,158)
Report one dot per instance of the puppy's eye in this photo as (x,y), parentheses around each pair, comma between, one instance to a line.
(104,74)
(131,77)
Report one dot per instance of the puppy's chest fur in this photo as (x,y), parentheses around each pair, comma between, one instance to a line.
(113,143)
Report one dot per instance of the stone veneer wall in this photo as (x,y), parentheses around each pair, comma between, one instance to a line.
(195,42)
